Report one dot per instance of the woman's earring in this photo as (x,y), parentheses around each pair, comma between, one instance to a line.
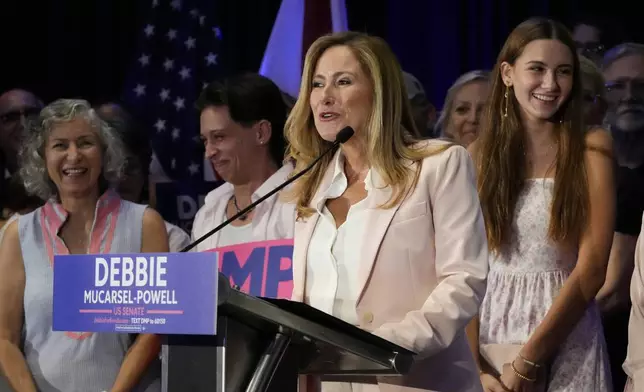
(507,89)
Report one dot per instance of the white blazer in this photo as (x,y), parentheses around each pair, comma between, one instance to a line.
(423,271)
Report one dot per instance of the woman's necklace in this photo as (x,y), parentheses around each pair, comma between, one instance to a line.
(243,217)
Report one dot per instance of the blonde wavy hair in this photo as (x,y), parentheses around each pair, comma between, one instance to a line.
(390,134)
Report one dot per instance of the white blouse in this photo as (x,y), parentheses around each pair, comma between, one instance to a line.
(333,253)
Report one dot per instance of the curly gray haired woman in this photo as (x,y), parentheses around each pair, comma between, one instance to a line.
(32,155)
(72,160)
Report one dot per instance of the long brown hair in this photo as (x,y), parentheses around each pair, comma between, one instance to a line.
(500,155)
(390,131)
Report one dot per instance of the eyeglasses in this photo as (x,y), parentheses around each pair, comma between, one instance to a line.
(14,116)
(616,90)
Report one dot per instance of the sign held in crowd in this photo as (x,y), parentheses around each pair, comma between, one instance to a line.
(262,269)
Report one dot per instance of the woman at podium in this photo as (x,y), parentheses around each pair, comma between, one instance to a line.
(72,160)
(389,235)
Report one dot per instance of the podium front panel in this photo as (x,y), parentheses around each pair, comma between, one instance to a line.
(223,363)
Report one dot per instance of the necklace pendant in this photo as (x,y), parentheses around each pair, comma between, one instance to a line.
(243,217)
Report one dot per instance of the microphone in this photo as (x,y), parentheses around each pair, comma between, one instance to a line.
(345,134)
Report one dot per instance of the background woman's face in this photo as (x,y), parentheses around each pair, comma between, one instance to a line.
(465,115)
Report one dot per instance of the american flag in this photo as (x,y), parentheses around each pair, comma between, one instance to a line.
(178,55)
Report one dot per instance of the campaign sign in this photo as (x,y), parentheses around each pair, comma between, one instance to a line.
(179,202)
(165,293)
(261,269)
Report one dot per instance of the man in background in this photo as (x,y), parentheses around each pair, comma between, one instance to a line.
(15,106)
(135,184)
(594,34)
(623,70)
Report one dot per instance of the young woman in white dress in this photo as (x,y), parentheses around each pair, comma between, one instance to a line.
(547,192)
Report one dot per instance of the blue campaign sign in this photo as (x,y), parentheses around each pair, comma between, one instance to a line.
(178,202)
(166,293)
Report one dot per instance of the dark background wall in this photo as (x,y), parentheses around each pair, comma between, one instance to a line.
(83,48)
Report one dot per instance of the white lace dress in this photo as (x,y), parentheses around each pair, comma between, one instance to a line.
(522,285)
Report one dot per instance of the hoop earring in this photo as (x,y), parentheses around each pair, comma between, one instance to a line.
(506,99)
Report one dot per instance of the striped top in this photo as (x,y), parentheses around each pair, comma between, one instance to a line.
(75,361)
